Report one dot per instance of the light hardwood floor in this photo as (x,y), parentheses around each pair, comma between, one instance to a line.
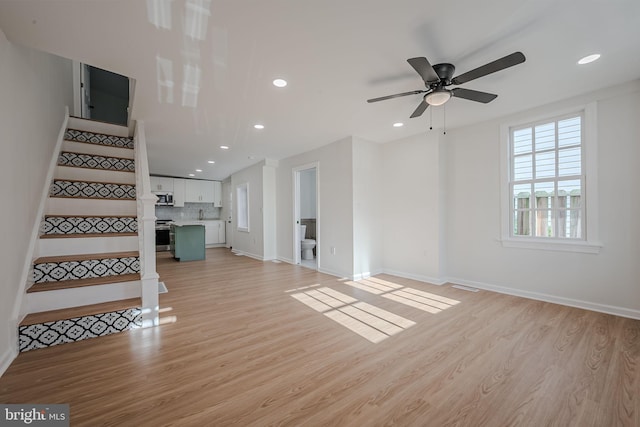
(237,349)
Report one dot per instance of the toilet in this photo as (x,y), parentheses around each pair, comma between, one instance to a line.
(307,245)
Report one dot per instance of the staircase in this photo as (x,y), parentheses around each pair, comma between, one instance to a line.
(86,277)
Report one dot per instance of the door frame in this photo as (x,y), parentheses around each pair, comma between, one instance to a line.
(297,250)
(81,90)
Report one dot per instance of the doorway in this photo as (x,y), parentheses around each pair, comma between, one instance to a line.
(102,95)
(306,216)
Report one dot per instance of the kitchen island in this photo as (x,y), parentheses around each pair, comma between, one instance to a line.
(188,242)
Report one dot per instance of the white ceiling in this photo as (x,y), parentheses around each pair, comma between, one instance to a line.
(335,54)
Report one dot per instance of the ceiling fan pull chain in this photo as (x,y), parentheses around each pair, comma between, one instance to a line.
(431,119)
(444,121)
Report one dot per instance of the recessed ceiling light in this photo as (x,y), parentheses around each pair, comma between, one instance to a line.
(211,161)
(191,174)
(398,125)
(224,147)
(198,170)
(588,59)
(258,126)
(279,82)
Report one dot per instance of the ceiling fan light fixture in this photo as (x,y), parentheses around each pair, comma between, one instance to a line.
(437,97)
(589,59)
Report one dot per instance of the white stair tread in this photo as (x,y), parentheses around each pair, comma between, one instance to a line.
(97,127)
(97,149)
(94,175)
(71,206)
(86,245)
(75,297)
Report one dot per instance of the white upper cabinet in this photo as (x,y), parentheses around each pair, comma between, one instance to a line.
(217,194)
(198,191)
(179,189)
(189,190)
(161,183)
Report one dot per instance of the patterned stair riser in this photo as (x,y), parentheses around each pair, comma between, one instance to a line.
(89,225)
(98,138)
(48,334)
(95,162)
(86,269)
(92,190)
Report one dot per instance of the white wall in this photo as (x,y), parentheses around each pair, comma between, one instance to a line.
(335,216)
(252,242)
(269,209)
(607,281)
(308,193)
(35,89)
(412,220)
(369,199)
(228,198)
(260,241)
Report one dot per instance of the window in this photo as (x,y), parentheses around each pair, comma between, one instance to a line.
(545,201)
(547,179)
(242,197)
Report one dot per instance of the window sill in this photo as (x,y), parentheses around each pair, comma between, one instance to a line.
(553,245)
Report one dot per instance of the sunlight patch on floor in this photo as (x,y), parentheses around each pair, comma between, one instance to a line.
(425,301)
(366,320)
(302,288)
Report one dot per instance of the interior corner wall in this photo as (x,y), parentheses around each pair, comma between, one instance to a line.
(411,208)
(269,211)
(607,281)
(368,201)
(250,243)
(335,207)
(35,89)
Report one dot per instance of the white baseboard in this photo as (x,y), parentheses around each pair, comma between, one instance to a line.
(418,277)
(247,254)
(586,305)
(334,273)
(7,357)
(366,275)
(287,260)
(215,245)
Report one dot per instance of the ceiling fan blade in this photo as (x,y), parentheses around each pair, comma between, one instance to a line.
(421,109)
(473,95)
(426,71)
(497,65)
(397,95)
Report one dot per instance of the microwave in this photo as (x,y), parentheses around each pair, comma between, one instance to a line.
(164,198)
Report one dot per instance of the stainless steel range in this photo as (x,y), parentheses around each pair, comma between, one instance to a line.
(163,228)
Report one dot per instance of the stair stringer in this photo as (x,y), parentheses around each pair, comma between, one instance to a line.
(20,306)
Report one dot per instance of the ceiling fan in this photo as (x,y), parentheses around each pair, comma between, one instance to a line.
(438,77)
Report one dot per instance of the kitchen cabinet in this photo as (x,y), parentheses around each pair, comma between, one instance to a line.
(217,194)
(199,191)
(161,183)
(179,189)
(214,232)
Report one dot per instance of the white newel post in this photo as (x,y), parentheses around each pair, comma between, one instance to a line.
(146,202)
